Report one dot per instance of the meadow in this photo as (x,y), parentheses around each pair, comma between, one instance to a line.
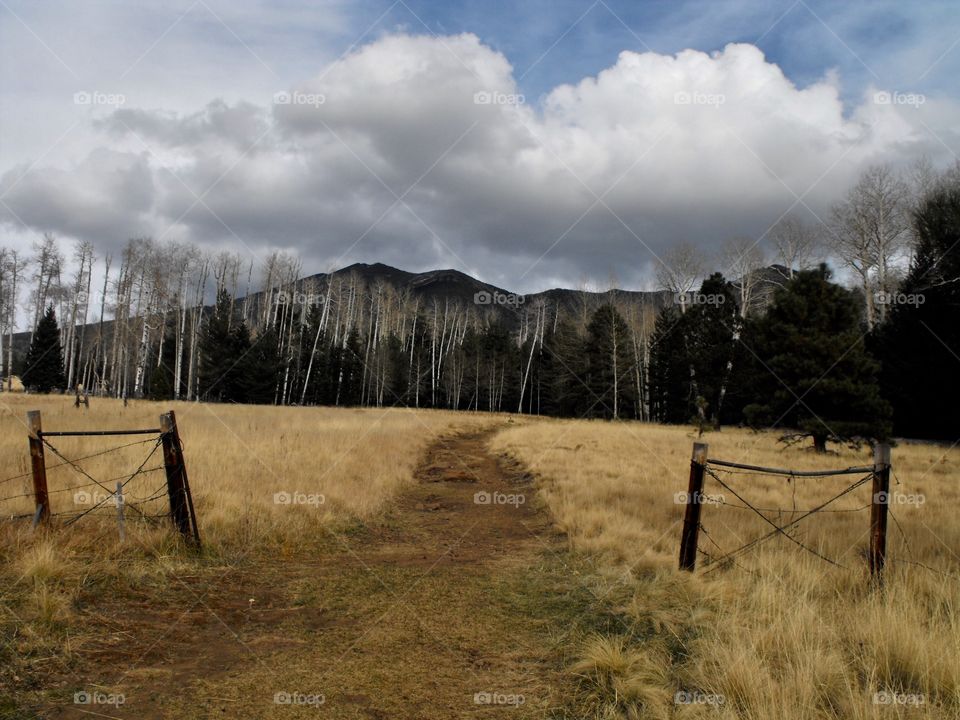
(778,632)
(267,483)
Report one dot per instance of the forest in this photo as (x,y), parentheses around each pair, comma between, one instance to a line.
(758,345)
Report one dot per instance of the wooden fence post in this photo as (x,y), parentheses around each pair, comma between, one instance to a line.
(691,515)
(119,499)
(879,503)
(38,466)
(178,487)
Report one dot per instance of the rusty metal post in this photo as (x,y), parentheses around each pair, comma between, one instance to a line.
(38,466)
(178,487)
(879,504)
(691,515)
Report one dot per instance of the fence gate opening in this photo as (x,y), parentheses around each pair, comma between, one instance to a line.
(95,496)
(722,472)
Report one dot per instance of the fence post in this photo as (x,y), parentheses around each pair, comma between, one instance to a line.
(38,466)
(691,515)
(178,487)
(879,503)
(120,501)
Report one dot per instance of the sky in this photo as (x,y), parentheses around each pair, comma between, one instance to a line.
(534,145)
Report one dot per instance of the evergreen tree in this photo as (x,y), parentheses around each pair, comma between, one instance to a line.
(259,368)
(43,368)
(609,365)
(671,393)
(813,373)
(918,345)
(711,329)
(564,394)
(160,382)
(350,371)
(221,354)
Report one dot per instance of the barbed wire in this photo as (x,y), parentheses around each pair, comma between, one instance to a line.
(74,488)
(136,472)
(911,561)
(778,529)
(786,510)
(79,459)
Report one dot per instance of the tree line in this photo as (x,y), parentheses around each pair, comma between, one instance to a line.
(785,346)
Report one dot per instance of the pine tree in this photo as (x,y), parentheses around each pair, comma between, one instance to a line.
(813,373)
(564,393)
(919,341)
(43,368)
(711,330)
(609,365)
(161,381)
(259,369)
(671,396)
(222,352)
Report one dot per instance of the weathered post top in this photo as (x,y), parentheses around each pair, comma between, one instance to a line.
(700,453)
(34,424)
(168,421)
(881,454)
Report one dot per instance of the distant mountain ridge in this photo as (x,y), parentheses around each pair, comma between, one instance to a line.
(450,284)
(454,285)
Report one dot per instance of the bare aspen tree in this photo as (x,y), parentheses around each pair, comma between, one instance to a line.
(795,243)
(869,230)
(100,355)
(201,275)
(16,267)
(678,272)
(743,259)
(47,259)
(541,317)
(79,292)
(5,302)
(850,240)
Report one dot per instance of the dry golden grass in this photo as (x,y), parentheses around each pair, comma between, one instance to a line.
(238,458)
(340,464)
(781,634)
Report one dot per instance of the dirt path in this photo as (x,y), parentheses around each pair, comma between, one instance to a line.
(449,607)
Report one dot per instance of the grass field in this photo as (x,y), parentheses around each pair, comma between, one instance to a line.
(781,633)
(380,547)
(338,468)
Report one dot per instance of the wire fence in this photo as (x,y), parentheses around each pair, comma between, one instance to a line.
(153,488)
(816,520)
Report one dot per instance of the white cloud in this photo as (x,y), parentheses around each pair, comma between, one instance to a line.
(695,146)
